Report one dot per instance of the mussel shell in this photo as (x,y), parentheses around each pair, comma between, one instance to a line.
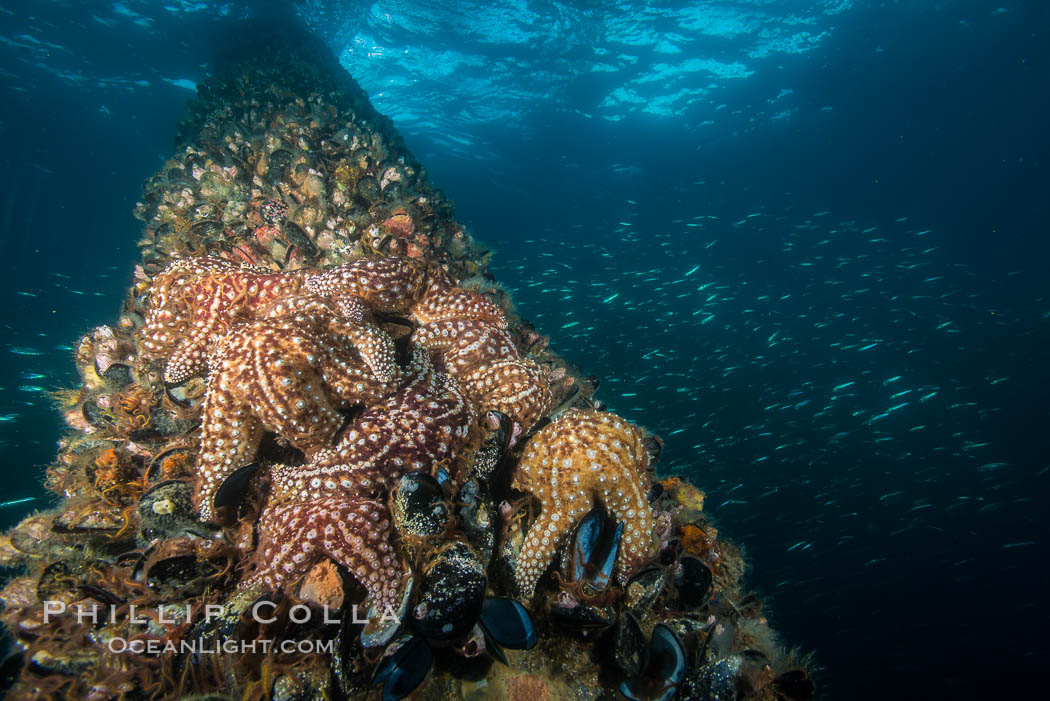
(207,229)
(490,454)
(280,160)
(506,623)
(451,595)
(230,494)
(54,579)
(404,667)
(155,468)
(95,416)
(296,236)
(643,589)
(68,661)
(418,505)
(579,616)
(166,510)
(629,645)
(117,374)
(99,594)
(174,564)
(100,520)
(188,394)
(665,668)
(693,581)
(592,551)
(368,189)
(716,681)
(477,518)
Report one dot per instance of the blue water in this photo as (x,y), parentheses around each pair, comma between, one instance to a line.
(804,241)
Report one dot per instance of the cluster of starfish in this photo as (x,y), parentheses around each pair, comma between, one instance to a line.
(581,457)
(195,301)
(288,352)
(331,507)
(470,332)
(289,372)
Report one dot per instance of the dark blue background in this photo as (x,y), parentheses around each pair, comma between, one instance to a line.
(938,115)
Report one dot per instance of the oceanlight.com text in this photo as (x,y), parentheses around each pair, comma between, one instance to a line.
(230,647)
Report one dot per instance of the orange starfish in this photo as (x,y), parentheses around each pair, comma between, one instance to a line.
(581,457)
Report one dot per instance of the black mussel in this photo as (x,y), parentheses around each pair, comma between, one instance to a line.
(166,510)
(451,593)
(444,479)
(174,565)
(230,494)
(716,681)
(279,161)
(794,685)
(418,505)
(655,492)
(490,454)
(536,428)
(693,581)
(477,518)
(233,620)
(95,520)
(664,670)
(404,667)
(730,678)
(296,236)
(643,588)
(593,550)
(507,624)
(117,374)
(629,645)
(99,594)
(395,319)
(579,616)
(207,229)
(169,462)
(368,189)
(188,394)
(54,579)
(95,416)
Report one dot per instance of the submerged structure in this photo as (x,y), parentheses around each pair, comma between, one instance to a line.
(320,455)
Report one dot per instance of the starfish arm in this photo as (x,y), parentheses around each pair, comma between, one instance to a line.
(630,507)
(456,303)
(516,388)
(545,537)
(373,344)
(189,359)
(303,415)
(351,307)
(355,533)
(465,343)
(349,380)
(229,438)
(388,284)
